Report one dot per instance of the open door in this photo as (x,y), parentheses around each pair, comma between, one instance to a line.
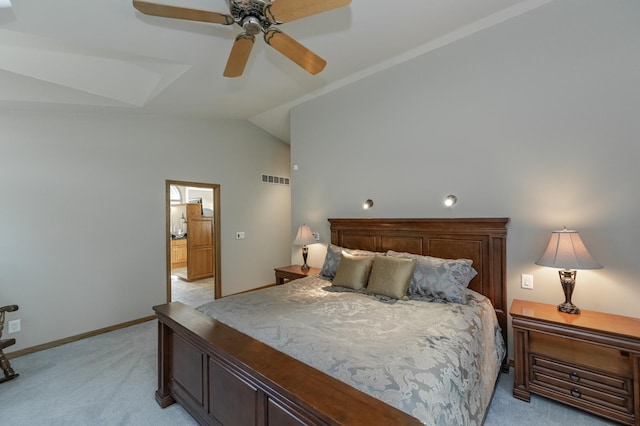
(200,247)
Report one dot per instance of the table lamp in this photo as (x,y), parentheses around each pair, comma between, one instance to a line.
(304,237)
(567,251)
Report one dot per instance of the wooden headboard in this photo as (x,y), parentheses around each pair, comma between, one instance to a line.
(482,240)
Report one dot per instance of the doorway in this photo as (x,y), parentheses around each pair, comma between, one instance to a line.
(190,278)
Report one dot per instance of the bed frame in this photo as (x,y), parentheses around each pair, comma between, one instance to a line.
(224,377)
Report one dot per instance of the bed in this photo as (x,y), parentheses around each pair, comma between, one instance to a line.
(274,372)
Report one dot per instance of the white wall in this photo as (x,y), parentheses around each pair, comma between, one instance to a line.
(535,119)
(82,212)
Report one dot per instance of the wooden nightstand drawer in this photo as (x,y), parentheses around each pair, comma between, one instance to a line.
(576,375)
(577,352)
(589,386)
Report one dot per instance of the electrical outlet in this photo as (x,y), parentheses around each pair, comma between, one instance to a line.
(526,281)
(316,236)
(239,235)
(14,326)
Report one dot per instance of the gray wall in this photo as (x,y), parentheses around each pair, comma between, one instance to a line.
(535,119)
(82,213)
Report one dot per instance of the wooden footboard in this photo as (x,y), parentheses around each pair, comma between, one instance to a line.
(224,377)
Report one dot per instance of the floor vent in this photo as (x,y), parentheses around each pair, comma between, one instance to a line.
(277,180)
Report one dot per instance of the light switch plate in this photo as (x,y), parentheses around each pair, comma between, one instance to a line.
(526,281)
(14,326)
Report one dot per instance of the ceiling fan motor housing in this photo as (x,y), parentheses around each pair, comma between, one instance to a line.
(250,15)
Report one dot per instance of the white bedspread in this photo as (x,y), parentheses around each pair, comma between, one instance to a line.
(437,362)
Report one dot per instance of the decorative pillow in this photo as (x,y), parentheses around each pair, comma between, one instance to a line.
(332,259)
(390,276)
(353,271)
(442,279)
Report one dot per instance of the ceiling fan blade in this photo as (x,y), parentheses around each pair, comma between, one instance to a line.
(167,11)
(239,55)
(290,10)
(294,51)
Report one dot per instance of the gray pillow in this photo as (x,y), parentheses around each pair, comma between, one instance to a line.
(390,276)
(353,271)
(331,261)
(443,279)
(333,256)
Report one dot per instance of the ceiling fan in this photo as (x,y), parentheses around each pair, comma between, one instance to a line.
(255,16)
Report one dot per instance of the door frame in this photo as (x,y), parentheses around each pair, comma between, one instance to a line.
(216,230)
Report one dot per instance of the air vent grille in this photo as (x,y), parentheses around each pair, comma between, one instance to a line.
(276,180)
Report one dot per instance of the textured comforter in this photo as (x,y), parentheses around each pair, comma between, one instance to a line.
(437,362)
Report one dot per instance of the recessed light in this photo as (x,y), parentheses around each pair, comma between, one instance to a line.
(450,201)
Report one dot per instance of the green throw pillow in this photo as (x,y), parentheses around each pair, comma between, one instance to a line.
(353,271)
(390,276)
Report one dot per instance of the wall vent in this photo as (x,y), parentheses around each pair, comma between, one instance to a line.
(276,180)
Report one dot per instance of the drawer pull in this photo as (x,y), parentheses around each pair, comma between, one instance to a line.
(574,376)
(575,392)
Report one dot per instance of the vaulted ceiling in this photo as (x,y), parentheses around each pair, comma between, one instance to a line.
(105,55)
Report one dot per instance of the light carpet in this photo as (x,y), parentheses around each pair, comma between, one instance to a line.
(111,380)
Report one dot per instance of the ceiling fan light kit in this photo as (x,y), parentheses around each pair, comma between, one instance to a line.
(255,16)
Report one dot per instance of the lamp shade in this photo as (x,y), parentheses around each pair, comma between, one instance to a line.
(304,236)
(567,251)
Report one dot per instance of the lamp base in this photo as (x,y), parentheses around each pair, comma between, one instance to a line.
(305,252)
(568,308)
(568,281)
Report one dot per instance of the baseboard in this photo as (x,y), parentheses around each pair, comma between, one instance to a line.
(59,342)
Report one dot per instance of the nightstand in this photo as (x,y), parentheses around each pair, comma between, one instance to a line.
(589,361)
(293,272)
